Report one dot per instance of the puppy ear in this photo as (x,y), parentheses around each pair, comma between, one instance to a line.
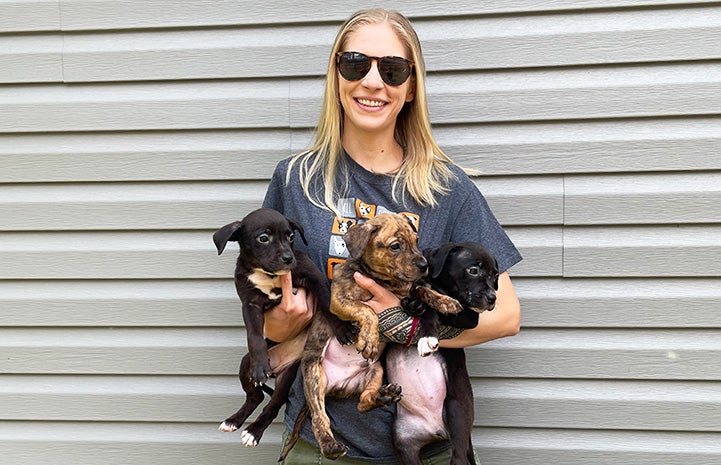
(357,237)
(495,283)
(229,232)
(437,258)
(298,228)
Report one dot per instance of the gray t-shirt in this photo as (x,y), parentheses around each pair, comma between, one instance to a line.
(462,215)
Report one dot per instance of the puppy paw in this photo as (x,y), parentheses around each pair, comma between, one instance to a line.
(427,345)
(449,305)
(260,374)
(390,394)
(367,346)
(226,427)
(334,450)
(248,439)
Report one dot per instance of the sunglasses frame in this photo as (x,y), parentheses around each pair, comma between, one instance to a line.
(410,63)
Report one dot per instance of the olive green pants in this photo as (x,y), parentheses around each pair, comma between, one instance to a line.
(307,454)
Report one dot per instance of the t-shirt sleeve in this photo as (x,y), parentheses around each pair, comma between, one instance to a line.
(274,195)
(476,222)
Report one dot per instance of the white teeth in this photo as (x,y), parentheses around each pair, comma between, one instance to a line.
(370,103)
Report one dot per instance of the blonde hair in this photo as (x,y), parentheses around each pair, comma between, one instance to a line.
(424,172)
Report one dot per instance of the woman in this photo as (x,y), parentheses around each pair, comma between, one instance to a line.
(373,153)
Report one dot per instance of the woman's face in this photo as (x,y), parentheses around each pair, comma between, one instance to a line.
(371,106)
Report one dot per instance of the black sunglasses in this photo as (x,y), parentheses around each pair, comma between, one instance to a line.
(353,66)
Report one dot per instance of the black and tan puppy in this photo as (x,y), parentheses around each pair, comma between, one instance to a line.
(385,249)
(266,253)
(440,405)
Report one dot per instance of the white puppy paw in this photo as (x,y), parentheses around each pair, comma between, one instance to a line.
(427,345)
(227,428)
(248,439)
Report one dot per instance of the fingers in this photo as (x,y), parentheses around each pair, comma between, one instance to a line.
(366,283)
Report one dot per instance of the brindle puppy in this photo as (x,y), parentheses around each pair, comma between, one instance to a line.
(385,249)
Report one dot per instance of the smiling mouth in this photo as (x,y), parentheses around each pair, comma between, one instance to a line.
(370,103)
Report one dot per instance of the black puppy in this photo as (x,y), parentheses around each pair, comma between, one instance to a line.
(468,273)
(266,241)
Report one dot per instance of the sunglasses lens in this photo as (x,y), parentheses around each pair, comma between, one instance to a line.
(394,70)
(353,66)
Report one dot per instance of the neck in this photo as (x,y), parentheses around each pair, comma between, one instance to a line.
(378,155)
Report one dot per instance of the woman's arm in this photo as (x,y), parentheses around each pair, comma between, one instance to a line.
(295,310)
(504,320)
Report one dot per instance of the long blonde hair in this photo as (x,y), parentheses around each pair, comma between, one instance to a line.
(424,172)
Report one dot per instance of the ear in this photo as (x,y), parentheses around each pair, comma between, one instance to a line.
(229,232)
(357,237)
(298,228)
(495,283)
(437,258)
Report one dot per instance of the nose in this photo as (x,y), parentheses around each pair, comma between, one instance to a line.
(422,264)
(373,78)
(287,258)
(491,298)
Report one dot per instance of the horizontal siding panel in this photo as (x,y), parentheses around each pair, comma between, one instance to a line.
(182,255)
(524,200)
(114,351)
(157,156)
(115,14)
(580,147)
(643,199)
(642,91)
(614,405)
(90,443)
(620,303)
(663,251)
(196,205)
(500,446)
(487,43)
(634,354)
(494,149)
(191,205)
(176,303)
(199,105)
(31,58)
(29,15)
(197,399)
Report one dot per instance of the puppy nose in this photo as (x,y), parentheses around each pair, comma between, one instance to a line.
(491,299)
(287,259)
(422,265)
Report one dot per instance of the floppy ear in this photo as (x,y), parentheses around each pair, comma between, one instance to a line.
(229,232)
(495,283)
(357,237)
(437,258)
(298,228)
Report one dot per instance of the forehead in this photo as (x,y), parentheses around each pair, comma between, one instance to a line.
(376,39)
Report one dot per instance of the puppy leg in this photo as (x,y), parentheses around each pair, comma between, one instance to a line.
(375,394)
(428,329)
(459,406)
(440,302)
(283,382)
(253,398)
(367,340)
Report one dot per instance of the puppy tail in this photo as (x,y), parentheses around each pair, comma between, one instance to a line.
(302,416)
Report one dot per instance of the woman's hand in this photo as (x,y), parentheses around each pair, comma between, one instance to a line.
(295,310)
(382,298)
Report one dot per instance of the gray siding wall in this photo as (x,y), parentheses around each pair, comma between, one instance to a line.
(130,131)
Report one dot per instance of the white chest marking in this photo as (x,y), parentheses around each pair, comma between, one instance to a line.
(266,283)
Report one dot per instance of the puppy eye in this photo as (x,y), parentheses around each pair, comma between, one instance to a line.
(263,238)
(474,271)
(291,237)
(395,247)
